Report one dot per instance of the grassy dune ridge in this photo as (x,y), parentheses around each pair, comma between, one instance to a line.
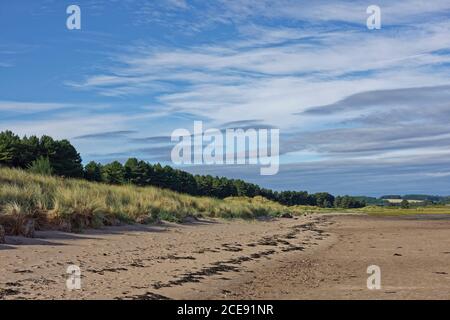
(72,204)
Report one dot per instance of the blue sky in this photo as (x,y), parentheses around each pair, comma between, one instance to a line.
(359,111)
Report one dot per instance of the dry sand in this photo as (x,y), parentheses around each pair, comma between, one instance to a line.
(313,257)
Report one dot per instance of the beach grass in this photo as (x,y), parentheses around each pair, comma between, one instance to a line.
(74,204)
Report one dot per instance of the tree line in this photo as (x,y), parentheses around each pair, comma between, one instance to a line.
(47,155)
(24,152)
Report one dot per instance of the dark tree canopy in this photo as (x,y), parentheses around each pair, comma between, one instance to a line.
(93,171)
(113,173)
(348,202)
(22,152)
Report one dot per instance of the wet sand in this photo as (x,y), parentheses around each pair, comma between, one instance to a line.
(313,257)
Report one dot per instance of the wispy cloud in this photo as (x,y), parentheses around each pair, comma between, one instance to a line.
(106,135)
(346,99)
(232,80)
(30,107)
(209,14)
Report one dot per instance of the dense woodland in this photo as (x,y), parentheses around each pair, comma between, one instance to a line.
(46,155)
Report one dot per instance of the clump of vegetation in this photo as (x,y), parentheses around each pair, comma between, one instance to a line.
(16,152)
(44,155)
(404,204)
(41,166)
(347,202)
(43,180)
(74,204)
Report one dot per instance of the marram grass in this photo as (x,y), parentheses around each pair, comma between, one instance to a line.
(75,204)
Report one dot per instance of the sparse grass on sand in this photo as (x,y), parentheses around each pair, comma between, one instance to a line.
(398,211)
(72,205)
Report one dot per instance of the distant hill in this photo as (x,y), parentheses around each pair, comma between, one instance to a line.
(423,197)
(391,196)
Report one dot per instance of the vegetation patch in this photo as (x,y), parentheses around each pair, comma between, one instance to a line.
(400,211)
(47,156)
(73,204)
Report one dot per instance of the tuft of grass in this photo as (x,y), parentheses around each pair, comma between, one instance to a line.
(41,166)
(73,205)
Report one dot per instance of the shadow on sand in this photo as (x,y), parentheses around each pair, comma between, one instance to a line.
(48,237)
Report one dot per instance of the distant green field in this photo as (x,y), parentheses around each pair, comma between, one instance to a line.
(395,211)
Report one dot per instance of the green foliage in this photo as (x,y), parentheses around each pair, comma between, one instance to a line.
(64,158)
(11,150)
(370,200)
(291,198)
(404,204)
(19,152)
(323,200)
(78,204)
(347,202)
(113,173)
(41,166)
(93,171)
(65,161)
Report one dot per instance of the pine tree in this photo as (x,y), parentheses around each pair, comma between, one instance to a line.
(93,171)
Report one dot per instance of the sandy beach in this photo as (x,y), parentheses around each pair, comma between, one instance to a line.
(309,257)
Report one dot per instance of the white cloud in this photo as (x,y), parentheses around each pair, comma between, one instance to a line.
(270,73)
(182,4)
(208,14)
(241,79)
(29,107)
